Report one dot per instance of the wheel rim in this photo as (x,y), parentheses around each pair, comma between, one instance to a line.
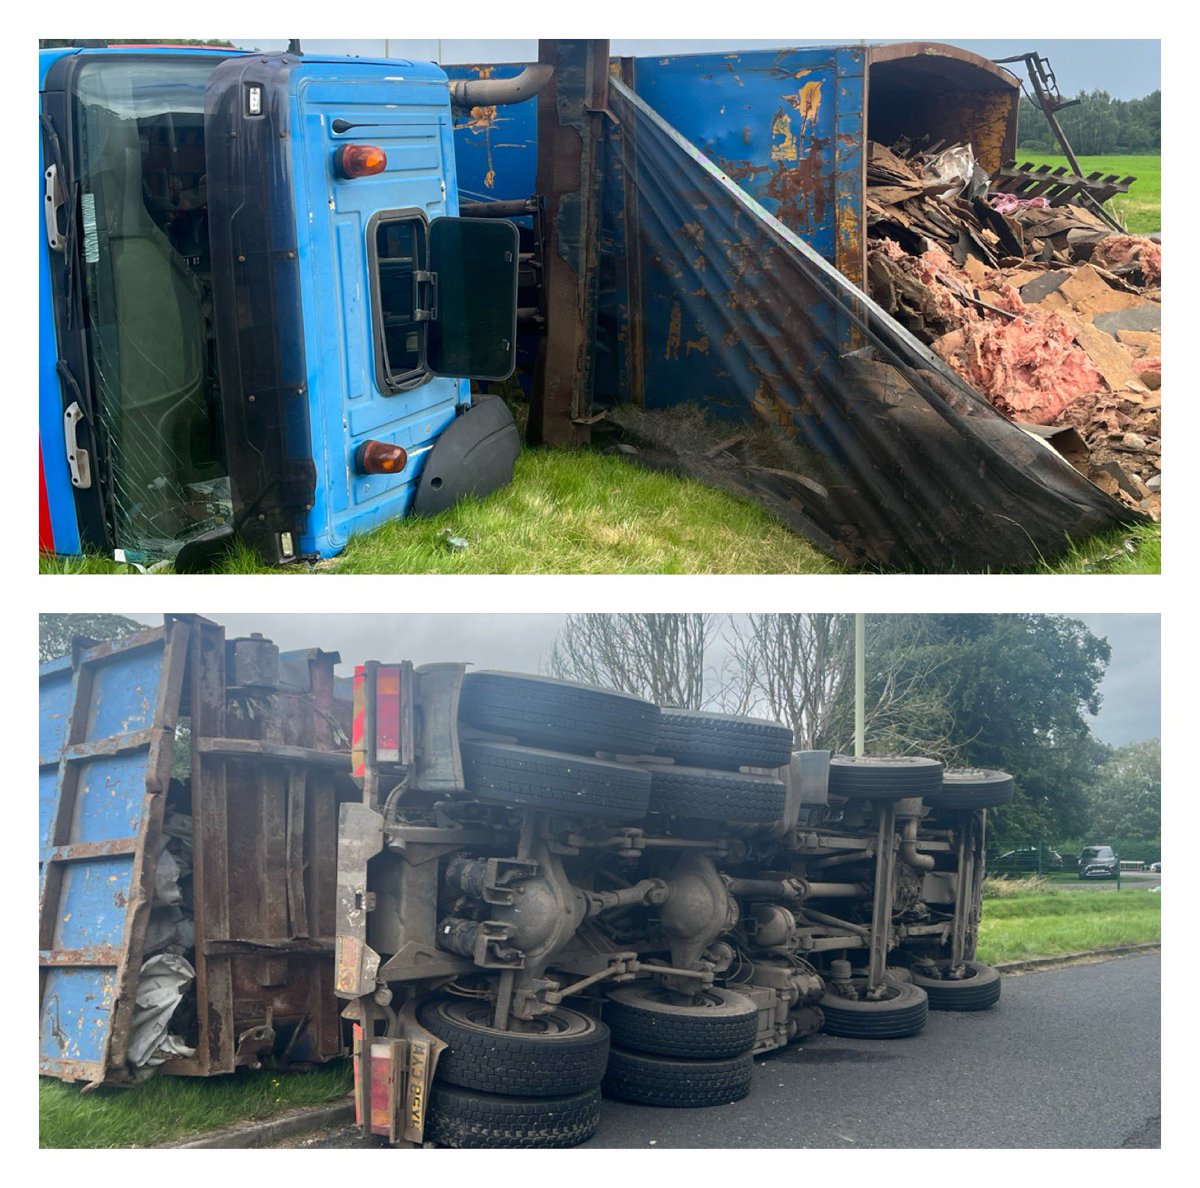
(476,1014)
(660,997)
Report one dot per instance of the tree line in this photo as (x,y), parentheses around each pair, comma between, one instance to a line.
(1008,692)
(1097,124)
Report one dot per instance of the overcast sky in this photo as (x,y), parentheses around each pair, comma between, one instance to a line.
(1126,69)
(523,642)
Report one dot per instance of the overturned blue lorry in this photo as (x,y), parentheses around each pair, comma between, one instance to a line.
(270,282)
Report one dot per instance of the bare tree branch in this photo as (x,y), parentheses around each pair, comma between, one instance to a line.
(659,656)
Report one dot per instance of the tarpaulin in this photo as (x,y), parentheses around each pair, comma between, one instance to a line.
(882,453)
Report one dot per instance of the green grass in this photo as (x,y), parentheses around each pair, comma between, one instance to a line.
(1128,550)
(163,1108)
(1141,208)
(1048,922)
(577,511)
(568,511)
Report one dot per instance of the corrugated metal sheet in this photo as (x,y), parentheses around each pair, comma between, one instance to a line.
(880,451)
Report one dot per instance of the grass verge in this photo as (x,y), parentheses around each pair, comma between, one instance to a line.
(164,1109)
(1141,208)
(566,511)
(1047,922)
(576,511)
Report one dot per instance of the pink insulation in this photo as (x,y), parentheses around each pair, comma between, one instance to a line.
(1121,253)
(1029,367)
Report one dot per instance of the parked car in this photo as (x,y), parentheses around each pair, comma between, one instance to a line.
(1156,867)
(1098,862)
(1026,860)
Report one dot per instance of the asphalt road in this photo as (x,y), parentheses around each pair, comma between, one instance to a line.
(1070,1057)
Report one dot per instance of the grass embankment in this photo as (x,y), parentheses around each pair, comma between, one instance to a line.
(573,511)
(164,1109)
(1044,922)
(1141,208)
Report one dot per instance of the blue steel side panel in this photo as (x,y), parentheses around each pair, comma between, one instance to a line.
(110,798)
(60,494)
(404,108)
(124,695)
(495,148)
(76,1016)
(89,797)
(768,118)
(89,892)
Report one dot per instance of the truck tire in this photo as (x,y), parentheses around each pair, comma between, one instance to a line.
(884,777)
(977,992)
(464,1118)
(568,1056)
(725,741)
(716,795)
(642,1018)
(972,788)
(566,716)
(675,1082)
(572,784)
(903,1012)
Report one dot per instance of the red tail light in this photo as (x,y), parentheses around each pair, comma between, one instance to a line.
(360,160)
(380,457)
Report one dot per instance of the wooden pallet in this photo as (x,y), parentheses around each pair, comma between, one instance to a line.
(1057,186)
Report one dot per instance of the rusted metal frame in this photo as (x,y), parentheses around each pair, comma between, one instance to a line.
(145,863)
(635,344)
(297,902)
(118,744)
(83,851)
(850,172)
(274,753)
(881,909)
(271,842)
(268,946)
(95,956)
(570,109)
(215,1048)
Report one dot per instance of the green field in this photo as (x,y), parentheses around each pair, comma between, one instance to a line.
(584,512)
(1050,922)
(1141,208)
(165,1109)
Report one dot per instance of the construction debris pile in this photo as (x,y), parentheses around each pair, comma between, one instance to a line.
(1043,309)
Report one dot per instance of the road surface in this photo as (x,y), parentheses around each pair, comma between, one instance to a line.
(1069,1058)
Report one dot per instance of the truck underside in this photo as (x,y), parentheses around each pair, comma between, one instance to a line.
(551,888)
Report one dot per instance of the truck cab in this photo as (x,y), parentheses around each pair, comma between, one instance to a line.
(259,308)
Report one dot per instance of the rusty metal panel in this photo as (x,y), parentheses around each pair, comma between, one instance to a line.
(110,735)
(769,119)
(882,453)
(570,138)
(271,766)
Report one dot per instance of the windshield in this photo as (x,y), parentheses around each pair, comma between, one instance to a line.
(1096,852)
(148,298)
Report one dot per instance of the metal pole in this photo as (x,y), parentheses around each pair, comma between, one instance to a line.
(860,681)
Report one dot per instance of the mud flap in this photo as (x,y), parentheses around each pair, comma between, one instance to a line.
(474,456)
